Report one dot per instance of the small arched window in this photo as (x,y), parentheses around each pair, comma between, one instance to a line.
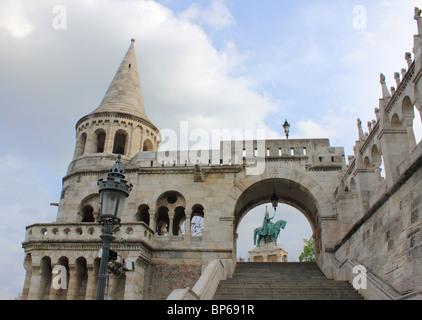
(119,142)
(87,214)
(101,136)
(148,145)
(143,214)
(80,145)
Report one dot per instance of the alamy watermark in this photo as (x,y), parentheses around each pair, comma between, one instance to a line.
(360,280)
(59,277)
(360,20)
(60,19)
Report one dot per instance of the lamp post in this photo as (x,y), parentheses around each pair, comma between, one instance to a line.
(286,127)
(113,193)
(274,201)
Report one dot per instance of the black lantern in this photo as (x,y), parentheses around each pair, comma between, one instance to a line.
(274,201)
(286,127)
(113,194)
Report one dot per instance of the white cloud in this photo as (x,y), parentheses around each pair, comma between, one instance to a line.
(14,19)
(215,15)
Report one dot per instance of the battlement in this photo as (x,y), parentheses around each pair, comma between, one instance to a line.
(313,153)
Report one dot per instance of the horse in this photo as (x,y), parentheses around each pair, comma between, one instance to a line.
(259,233)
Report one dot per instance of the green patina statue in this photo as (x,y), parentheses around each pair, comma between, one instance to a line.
(269,231)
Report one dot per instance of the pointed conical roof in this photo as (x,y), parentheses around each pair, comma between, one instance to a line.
(124,93)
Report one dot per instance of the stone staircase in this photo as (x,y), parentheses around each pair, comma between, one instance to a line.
(283,281)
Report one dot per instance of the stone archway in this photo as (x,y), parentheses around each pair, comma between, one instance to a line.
(288,192)
(298,191)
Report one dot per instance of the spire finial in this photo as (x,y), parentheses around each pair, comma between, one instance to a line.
(132,40)
(418,18)
(385,92)
(360,130)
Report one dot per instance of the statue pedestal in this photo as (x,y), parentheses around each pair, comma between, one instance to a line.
(268,252)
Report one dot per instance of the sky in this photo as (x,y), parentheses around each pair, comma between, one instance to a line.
(217,64)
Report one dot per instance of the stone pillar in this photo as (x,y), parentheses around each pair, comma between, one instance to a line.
(72,288)
(135,280)
(28,267)
(108,145)
(34,286)
(153,221)
(188,226)
(91,286)
(171,220)
(410,133)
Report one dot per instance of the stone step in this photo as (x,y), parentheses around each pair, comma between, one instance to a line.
(283,281)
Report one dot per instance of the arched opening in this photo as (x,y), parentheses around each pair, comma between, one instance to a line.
(367,163)
(119,146)
(289,193)
(163,221)
(148,146)
(88,214)
(179,218)
(197,220)
(395,122)
(414,128)
(378,163)
(61,294)
(45,281)
(290,240)
(143,214)
(89,208)
(81,278)
(100,140)
(80,145)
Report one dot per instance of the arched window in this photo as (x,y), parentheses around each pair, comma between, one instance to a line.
(119,146)
(45,281)
(89,208)
(179,218)
(80,145)
(148,146)
(87,214)
(61,294)
(100,141)
(142,214)
(197,220)
(81,278)
(163,221)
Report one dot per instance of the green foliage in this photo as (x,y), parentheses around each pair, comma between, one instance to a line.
(308,254)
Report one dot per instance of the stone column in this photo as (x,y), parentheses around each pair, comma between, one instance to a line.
(410,133)
(188,226)
(91,286)
(171,220)
(153,221)
(34,286)
(72,289)
(108,145)
(135,280)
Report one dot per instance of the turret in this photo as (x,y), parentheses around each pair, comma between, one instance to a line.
(119,125)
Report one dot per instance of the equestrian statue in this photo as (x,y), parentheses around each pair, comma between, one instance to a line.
(269,231)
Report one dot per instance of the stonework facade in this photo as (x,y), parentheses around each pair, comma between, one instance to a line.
(358,217)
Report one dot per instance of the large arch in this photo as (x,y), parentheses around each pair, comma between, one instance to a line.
(288,192)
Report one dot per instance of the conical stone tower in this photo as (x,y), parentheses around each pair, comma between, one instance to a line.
(119,125)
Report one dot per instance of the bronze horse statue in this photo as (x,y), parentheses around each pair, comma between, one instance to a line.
(269,231)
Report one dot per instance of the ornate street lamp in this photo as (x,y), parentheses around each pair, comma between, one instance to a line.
(113,193)
(274,201)
(286,127)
